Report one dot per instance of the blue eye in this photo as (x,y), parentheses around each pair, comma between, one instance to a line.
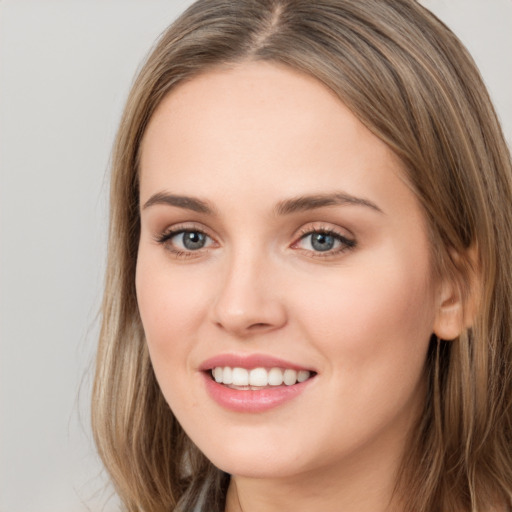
(322,242)
(190,240)
(325,242)
(185,241)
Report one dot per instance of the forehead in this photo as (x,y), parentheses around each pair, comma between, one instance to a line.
(258,128)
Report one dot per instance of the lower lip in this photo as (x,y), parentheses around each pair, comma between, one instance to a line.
(250,400)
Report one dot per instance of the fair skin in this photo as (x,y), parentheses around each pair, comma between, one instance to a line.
(232,264)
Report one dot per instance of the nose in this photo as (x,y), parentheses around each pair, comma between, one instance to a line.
(249,300)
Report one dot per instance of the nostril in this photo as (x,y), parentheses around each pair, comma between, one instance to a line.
(259,325)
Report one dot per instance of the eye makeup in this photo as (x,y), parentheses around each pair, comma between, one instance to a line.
(191,241)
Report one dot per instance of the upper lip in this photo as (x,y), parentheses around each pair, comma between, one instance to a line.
(249,361)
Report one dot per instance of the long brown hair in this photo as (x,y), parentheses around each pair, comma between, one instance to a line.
(412,83)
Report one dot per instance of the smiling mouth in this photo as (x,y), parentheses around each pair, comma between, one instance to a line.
(258,378)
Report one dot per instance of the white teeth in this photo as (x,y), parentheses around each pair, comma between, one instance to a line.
(240,377)
(290,377)
(258,377)
(218,375)
(227,375)
(275,377)
(302,375)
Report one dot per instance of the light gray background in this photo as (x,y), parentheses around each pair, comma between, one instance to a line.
(65,70)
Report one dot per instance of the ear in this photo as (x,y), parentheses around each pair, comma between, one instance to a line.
(457,301)
(449,320)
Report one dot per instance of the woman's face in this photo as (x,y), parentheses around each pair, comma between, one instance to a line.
(278,235)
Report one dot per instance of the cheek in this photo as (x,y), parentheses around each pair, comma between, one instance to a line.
(373,329)
(379,319)
(170,305)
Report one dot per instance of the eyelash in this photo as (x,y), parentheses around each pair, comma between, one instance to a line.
(166,236)
(345,243)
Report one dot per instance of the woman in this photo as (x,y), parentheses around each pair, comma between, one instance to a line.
(307,303)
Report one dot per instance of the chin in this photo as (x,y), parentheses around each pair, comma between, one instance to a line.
(251,457)
(262,467)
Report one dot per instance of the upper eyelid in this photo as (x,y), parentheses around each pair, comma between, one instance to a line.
(176,229)
(320,227)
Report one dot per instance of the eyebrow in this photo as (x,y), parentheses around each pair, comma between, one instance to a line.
(186,202)
(304,203)
(286,207)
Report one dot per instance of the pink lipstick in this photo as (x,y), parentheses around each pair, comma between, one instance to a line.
(254,383)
